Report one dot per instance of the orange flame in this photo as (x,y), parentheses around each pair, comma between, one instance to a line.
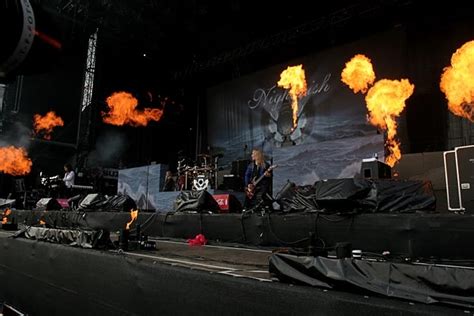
(14,161)
(385,101)
(122,110)
(133,217)
(358,73)
(45,124)
(457,82)
(5,214)
(42,222)
(293,78)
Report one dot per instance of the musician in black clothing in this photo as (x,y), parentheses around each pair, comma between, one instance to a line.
(257,171)
(170,184)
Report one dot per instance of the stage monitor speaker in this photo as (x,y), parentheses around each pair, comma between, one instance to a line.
(374,169)
(465,173)
(228,203)
(91,200)
(451,177)
(195,201)
(48,204)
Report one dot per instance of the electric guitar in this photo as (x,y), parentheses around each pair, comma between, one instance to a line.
(250,190)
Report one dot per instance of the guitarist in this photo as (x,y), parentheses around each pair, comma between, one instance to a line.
(256,169)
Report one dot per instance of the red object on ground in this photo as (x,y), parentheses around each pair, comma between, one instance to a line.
(199,240)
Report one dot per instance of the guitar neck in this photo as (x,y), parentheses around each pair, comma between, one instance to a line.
(263,175)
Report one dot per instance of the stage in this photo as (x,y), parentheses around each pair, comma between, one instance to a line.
(428,236)
(49,279)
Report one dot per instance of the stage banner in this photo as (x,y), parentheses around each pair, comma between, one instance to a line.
(143,185)
(332,134)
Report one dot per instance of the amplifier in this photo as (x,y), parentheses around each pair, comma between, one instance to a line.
(374,169)
(451,177)
(465,173)
(233,182)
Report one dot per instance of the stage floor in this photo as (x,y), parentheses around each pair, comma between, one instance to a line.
(42,278)
(220,259)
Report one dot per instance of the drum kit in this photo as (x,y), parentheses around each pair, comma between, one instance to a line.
(198,175)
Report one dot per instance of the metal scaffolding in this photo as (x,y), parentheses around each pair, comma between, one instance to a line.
(85,113)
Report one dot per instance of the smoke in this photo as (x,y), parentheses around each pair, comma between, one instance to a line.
(17,135)
(109,147)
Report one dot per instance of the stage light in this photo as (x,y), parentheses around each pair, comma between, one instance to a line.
(18,17)
(30,43)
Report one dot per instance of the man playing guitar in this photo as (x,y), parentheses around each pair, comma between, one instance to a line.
(258,180)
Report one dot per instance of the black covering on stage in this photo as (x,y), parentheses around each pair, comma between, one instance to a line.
(195,201)
(42,278)
(425,235)
(359,196)
(100,202)
(79,238)
(421,283)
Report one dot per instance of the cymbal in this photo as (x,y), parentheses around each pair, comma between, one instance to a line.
(204,169)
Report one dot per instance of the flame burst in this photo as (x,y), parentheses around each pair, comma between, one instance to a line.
(385,101)
(14,161)
(457,82)
(122,110)
(293,78)
(45,124)
(5,214)
(133,217)
(358,73)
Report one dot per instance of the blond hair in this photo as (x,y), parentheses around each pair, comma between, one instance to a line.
(259,157)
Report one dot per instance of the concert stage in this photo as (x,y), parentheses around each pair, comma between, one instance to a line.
(417,235)
(49,279)
(218,278)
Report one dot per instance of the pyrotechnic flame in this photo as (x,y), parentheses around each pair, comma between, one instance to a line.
(358,74)
(385,101)
(5,214)
(293,78)
(14,161)
(457,82)
(122,110)
(133,217)
(45,124)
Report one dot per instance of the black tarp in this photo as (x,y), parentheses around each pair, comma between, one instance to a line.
(42,278)
(360,196)
(78,238)
(195,201)
(99,202)
(418,235)
(421,283)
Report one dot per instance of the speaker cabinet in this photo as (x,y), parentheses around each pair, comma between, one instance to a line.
(48,204)
(465,174)
(375,169)
(228,203)
(233,182)
(451,177)
(239,167)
